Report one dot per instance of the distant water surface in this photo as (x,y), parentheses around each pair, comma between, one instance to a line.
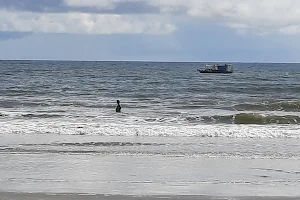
(80,98)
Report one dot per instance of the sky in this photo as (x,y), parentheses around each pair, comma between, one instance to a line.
(151,30)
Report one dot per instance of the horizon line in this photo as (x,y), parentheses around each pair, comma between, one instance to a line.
(153,61)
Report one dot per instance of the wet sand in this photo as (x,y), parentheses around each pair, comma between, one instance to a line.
(44,196)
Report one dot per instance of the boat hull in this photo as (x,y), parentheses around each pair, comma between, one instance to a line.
(215,72)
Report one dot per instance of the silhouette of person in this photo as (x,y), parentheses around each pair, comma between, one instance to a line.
(118,109)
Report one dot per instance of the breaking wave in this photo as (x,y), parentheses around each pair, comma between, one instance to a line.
(287,106)
(250,118)
(155,130)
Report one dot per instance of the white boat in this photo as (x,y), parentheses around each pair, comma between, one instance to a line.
(217,68)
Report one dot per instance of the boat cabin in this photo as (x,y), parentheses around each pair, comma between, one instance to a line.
(217,68)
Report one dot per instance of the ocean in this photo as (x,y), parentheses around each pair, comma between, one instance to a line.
(208,136)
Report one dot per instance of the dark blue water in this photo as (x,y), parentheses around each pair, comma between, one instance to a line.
(81,96)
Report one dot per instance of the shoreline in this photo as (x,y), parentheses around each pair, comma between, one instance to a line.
(74,196)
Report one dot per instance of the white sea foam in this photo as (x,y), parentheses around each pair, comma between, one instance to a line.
(114,129)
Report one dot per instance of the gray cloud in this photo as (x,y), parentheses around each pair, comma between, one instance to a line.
(82,23)
(128,7)
(34,5)
(260,16)
(58,6)
(136,7)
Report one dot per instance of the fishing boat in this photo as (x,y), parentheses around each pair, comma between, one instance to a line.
(217,68)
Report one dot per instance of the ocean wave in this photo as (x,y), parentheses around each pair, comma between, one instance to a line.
(61,105)
(245,118)
(149,152)
(97,144)
(15,92)
(154,130)
(169,150)
(288,106)
(15,103)
(41,116)
(249,118)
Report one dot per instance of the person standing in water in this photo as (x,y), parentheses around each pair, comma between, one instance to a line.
(118,109)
